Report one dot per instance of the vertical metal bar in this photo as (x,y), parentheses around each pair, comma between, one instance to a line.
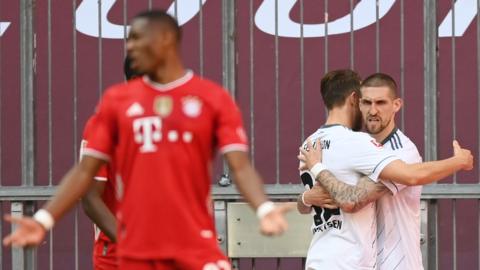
(228,51)
(252,82)
(1,230)
(50,249)
(430,75)
(352,52)
(220,208)
(377,36)
(125,22)
(302,77)
(149,4)
(228,45)
(325,5)
(478,120)
(50,125)
(176,9)
(277,101)
(27,63)
(402,62)
(76,238)
(454,90)
(432,234)
(235,264)
(1,109)
(454,135)
(100,84)
(424,242)
(18,254)
(200,33)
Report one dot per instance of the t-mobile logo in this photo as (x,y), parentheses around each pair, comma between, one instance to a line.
(147,130)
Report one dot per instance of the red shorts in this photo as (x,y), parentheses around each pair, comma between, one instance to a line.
(186,262)
(104,256)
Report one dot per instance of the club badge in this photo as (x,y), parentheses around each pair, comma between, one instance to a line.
(192,106)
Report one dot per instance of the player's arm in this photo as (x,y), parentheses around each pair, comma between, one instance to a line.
(302,206)
(351,198)
(250,185)
(98,212)
(72,187)
(428,172)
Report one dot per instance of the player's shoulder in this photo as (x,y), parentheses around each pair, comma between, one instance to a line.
(209,87)
(124,89)
(89,126)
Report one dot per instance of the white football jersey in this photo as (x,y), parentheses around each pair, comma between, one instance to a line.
(398,216)
(346,240)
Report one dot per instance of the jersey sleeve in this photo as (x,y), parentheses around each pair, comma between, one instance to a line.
(230,134)
(103,133)
(369,158)
(102,174)
(409,155)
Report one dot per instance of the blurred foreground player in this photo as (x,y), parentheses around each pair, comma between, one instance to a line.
(100,203)
(160,133)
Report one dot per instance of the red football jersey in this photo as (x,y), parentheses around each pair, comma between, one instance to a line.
(104,174)
(161,139)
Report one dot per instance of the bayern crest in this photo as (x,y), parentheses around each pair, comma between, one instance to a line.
(192,106)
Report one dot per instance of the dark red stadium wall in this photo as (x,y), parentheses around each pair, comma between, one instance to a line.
(89,85)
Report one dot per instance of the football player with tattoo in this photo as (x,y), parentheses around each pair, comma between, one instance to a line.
(356,164)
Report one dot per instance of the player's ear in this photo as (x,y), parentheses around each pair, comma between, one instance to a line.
(397,104)
(353,98)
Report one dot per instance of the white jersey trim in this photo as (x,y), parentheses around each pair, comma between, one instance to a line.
(380,166)
(100,178)
(96,154)
(171,85)
(234,147)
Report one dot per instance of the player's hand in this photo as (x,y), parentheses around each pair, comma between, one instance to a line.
(274,223)
(318,196)
(463,155)
(312,154)
(28,233)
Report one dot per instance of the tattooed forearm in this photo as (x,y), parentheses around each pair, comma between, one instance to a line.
(351,198)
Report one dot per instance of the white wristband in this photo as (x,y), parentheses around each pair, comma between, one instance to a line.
(317,169)
(265,209)
(303,200)
(43,217)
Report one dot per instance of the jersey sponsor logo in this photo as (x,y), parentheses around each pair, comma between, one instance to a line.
(135,110)
(163,106)
(147,131)
(192,106)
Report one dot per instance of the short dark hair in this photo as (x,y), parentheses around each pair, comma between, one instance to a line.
(165,19)
(379,80)
(337,85)
(129,72)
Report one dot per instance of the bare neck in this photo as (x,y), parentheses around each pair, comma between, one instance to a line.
(339,116)
(171,70)
(382,135)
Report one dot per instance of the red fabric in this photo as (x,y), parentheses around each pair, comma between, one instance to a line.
(104,256)
(199,261)
(103,259)
(162,144)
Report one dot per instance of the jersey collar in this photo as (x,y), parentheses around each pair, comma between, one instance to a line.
(171,85)
(333,125)
(389,136)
